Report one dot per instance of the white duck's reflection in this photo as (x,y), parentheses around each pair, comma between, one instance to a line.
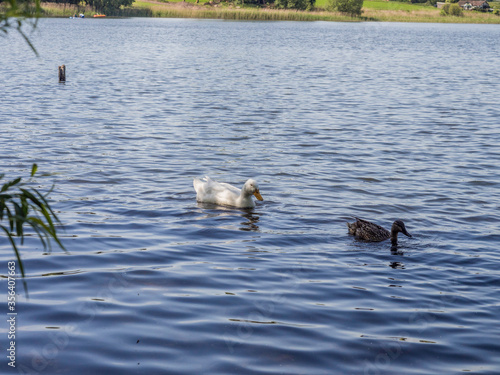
(251,224)
(223,214)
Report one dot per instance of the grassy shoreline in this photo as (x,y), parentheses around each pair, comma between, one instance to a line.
(376,10)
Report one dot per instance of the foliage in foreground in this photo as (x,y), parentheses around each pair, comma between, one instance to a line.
(351,7)
(14,14)
(22,206)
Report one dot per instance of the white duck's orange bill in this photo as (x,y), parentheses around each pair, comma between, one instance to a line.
(258,196)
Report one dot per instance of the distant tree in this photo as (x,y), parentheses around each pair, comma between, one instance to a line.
(259,2)
(108,6)
(71,2)
(351,7)
(295,4)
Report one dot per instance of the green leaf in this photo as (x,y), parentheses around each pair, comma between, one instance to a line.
(41,229)
(18,256)
(47,206)
(19,219)
(34,168)
(9,184)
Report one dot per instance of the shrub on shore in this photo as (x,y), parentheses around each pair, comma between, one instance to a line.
(452,10)
(295,4)
(351,7)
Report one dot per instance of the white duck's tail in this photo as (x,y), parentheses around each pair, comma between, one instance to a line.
(197,184)
(200,185)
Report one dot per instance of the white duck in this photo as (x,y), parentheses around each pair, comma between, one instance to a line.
(210,191)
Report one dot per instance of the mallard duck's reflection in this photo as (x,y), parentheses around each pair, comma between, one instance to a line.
(397,265)
(395,250)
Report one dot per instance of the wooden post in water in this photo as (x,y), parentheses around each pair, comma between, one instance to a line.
(62,73)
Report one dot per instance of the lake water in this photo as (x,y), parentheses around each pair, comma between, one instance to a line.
(382,121)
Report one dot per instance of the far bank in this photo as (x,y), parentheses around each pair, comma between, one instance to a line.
(375,11)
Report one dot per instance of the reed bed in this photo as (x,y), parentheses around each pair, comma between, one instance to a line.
(250,14)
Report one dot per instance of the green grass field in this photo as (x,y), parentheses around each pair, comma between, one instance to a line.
(392,5)
(494,4)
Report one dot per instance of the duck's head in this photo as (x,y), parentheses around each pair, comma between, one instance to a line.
(399,226)
(252,188)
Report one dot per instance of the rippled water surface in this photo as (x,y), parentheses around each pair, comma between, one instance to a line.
(334,120)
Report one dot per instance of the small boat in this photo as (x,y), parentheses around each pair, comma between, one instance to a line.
(99,15)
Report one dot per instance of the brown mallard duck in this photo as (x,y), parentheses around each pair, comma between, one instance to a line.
(369,231)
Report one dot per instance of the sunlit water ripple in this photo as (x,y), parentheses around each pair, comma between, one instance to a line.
(334,120)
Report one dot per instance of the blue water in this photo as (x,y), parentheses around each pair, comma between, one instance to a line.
(334,120)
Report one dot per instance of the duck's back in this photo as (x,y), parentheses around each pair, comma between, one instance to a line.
(210,191)
(368,231)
